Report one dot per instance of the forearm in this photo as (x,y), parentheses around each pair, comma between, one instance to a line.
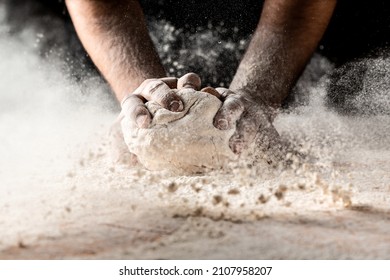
(285,39)
(115,35)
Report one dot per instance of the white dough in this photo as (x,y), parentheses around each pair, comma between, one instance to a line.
(184,141)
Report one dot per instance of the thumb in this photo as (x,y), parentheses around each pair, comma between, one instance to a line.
(231,110)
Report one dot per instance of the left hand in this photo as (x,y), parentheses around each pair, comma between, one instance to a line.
(253,121)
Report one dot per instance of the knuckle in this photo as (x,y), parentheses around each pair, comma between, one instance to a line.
(189,80)
(165,97)
(211,91)
(153,85)
(224,92)
(234,102)
(144,84)
(140,110)
(156,88)
(170,81)
(130,101)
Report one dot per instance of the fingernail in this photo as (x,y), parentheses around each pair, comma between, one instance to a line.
(222,124)
(142,121)
(176,106)
(236,148)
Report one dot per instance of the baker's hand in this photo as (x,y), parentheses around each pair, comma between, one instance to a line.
(161,91)
(253,122)
(135,114)
(157,90)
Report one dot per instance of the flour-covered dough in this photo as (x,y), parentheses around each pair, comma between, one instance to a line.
(184,141)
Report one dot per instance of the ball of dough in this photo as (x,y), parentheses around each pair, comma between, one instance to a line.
(184,141)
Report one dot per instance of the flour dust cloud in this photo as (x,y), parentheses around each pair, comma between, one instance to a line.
(62,197)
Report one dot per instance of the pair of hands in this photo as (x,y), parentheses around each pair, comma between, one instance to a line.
(238,109)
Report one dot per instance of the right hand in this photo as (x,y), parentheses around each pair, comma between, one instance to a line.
(157,90)
(135,114)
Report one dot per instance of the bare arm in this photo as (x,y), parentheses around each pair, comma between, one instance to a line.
(285,39)
(115,35)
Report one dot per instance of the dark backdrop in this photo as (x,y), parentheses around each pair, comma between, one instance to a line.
(358,29)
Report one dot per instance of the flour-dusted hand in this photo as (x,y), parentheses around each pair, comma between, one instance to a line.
(157,90)
(161,91)
(253,122)
(247,115)
(135,114)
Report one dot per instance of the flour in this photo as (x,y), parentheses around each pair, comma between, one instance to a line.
(184,141)
(59,198)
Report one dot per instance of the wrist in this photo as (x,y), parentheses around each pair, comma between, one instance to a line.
(267,96)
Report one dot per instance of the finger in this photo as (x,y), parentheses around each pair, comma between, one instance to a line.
(269,145)
(119,151)
(211,91)
(170,81)
(231,110)
(224,92)
(253,121)
(246,130)
(142,86)
(159,92)
(190,80)
(134,109)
